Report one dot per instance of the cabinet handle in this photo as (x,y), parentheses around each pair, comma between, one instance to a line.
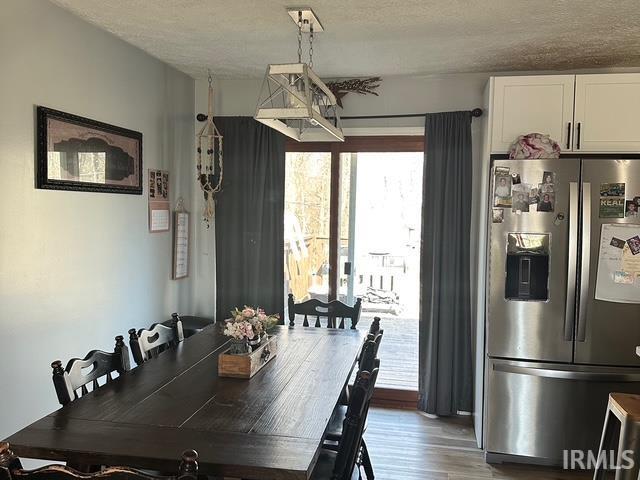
(578,137)
(569,137)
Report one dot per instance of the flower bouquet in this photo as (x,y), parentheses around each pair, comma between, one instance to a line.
(247,328)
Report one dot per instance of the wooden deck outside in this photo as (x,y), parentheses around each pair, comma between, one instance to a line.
(398,351)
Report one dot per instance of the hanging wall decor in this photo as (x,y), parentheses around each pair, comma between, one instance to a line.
(78,153)
(209,170)
(363,86)
(293,100)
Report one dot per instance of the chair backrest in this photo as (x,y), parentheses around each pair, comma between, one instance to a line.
(353,425)
(11,469)
(147,344)
(331,311)
(367,359)
(375,326)
(377,339)
(75,377)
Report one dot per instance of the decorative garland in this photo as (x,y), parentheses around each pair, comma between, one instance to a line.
(363,86)
(210,179)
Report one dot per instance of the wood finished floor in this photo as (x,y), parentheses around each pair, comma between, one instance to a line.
(406,445)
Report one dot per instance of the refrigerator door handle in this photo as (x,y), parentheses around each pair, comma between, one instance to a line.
(585,261)
(569,314)
(567,374)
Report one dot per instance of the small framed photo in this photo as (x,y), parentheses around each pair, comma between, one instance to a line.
(77,153)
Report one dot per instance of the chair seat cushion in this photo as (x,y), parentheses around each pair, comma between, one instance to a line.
(324,468)
(334,429)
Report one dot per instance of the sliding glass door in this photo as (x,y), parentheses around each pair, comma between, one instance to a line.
(352,230)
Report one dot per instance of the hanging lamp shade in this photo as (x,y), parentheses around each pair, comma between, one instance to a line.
(294,101)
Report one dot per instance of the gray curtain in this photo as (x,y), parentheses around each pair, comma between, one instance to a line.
(445,325)
(249,218)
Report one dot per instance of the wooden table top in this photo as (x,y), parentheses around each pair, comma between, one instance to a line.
(270,426)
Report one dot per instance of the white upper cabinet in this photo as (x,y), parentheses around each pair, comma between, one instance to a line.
(607,109)
(532,104)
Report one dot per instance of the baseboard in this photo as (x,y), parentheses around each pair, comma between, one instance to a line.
(392,398)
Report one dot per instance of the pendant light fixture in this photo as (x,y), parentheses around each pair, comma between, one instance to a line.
(293,99)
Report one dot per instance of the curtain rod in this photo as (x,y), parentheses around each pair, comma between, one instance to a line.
(476,112)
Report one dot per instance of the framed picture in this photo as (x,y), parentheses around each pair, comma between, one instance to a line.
(180,245)
(77,153)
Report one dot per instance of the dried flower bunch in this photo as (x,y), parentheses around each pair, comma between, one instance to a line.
(249,323)
(363,86)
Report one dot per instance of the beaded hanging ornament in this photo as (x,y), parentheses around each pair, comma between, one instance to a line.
(210,174)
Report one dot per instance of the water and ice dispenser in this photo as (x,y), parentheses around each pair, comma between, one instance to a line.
(527,276)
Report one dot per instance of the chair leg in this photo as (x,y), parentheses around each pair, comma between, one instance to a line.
(366,462)
(629,442)
(605,442)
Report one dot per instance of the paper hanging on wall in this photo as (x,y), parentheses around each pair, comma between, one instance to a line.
(618,276)
(159,220)
(159,216)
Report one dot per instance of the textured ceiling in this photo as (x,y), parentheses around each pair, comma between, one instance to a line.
(238,38)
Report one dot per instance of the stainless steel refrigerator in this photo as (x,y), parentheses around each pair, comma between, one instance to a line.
(554,351)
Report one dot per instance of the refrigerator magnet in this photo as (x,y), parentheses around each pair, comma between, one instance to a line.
(548,178)
(616,242)
(497,215)
(631,209)
(622,277)
(634,244)
(520,193)
(611,207)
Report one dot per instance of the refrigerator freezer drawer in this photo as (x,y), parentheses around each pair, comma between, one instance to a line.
(539,410)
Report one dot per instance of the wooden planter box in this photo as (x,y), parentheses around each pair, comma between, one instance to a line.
(246,366)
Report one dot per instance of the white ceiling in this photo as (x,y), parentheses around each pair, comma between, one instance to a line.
(238,38)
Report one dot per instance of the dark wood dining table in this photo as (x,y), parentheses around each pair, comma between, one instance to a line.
(268,427)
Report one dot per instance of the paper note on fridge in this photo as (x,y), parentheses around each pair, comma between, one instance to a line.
(618,268)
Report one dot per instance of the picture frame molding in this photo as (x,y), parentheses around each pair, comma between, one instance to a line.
(42,178)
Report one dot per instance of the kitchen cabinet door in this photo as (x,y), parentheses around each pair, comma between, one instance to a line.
(606,113)
(532,104)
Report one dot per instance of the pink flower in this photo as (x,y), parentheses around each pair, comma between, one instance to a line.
(248,312)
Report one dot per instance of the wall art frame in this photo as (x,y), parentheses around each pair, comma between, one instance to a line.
(80,154)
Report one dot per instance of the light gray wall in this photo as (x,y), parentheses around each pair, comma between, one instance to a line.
(78,268)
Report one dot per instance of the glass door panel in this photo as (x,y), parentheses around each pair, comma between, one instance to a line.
(384,225)
(306,224)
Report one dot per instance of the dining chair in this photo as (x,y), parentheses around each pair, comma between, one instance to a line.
(331,311)
(343,462)
(147,344)
(367,361)
(11,469)
(75,378)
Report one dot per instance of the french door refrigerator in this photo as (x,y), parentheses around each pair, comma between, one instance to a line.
(563,322)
